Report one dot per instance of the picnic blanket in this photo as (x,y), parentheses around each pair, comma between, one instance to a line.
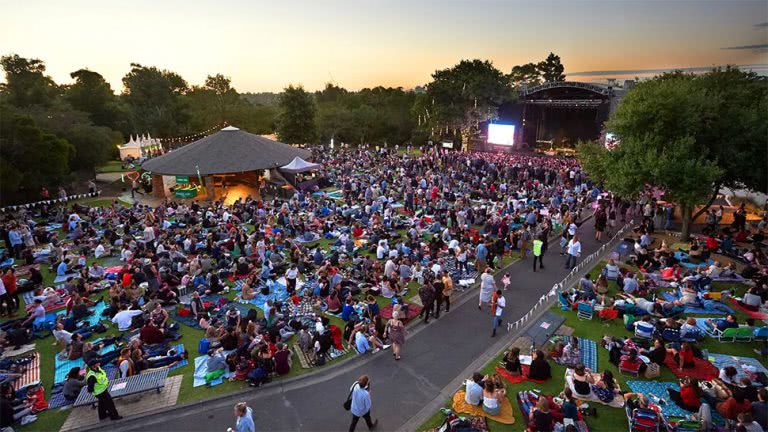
(506,416)
(617,402)
(277,293)
(516,379)
(413,312)
(683,258)
(528,399)
(300,239)
(587,350)
(62,279)
(746,367)
(201,369)
(30,376)
(17,352)
(29,300)
(701,323)
(62,367)
(752,314)
(703,370)
(179,349)
(724,310)
(57,399)
(659,390)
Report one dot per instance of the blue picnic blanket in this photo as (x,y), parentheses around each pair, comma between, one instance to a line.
(201,369)
(588,349)
(683,258)
(278,293)
(740,363)
(701,323)
(62,367)
(659,389)
(722,309)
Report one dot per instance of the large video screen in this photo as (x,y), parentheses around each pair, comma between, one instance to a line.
(501,134)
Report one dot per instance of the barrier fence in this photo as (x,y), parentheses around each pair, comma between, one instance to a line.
(586,264)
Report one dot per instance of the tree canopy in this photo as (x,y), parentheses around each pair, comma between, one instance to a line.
(688,135)
(296,121)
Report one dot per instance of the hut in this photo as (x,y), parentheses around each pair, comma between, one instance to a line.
(228,164)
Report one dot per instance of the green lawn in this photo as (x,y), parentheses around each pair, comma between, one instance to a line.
(111,167)
(608,419)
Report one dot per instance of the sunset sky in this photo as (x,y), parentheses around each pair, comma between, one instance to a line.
(265,45)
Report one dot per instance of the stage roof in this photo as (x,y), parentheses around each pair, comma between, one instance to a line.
(230,150)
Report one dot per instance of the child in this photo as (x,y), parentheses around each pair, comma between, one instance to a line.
(505,281)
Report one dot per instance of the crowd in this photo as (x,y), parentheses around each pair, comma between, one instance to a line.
(436,219)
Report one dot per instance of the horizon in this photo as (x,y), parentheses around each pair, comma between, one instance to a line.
(264,47)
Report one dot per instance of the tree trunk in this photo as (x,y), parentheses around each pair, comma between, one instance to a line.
(465,137)
(685,217)
(706,206)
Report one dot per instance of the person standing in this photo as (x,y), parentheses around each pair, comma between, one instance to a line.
(98,385)
(525,238)
(11,290)
(291,275)
(487,286)
(427,297)
(244,418)
(573,250)
(498,307)
(361,403)
(447,291)
(438,287)
(396,333)
(538,252)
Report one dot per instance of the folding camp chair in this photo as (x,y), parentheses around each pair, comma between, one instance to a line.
(644,330)
(585,311)
(738,334)
(644,420)
(760,334)
(671,335)
(564,303)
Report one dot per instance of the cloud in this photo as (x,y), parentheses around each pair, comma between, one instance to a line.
(748,47)
(765,24)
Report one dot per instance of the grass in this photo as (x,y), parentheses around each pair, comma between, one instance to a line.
(111,167)
(607,419)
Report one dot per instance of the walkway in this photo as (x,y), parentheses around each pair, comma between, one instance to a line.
(433,357)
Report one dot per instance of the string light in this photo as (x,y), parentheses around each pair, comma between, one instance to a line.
(193,137)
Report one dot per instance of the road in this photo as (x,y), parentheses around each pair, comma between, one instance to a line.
(433,356)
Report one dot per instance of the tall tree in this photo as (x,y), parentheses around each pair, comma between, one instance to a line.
(92,94)
(688,135)
(154,97)
(25,81)
(296,122)
(551,69)
(29,156)
(463,96)
(525,75)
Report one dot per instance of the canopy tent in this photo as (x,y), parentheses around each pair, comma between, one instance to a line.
(136,148)
(298,165)
(228,151)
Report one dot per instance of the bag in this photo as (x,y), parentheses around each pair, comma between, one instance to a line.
(99,328)
(348,403)
(203,346)
(652,371)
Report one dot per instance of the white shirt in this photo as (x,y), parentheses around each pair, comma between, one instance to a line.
(292,273)
(123,319)
(572,229)
(2,287)
(501,303)
(574,248)
(62,336)
(99,251)
(149,234)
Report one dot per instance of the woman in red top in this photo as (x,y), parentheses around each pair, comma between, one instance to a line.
(734,405)
(689,396)
(685,357)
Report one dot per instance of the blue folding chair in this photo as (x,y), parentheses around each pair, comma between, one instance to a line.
(585,311)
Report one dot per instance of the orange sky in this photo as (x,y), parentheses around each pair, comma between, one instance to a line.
(265,45)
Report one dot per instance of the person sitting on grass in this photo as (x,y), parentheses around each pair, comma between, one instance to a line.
(216,364)
(493,393)
(540,369)
(73,384)
(473,390)
(540,418)
(511,362)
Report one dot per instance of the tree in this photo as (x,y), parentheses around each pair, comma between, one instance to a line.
(461,97)
(29,156)
(25,81)
(525,75)
(551,69)
(688,135)
(92,94)
(296,122)
(154,97)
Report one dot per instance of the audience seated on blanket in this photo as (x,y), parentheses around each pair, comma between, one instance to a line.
(540,369)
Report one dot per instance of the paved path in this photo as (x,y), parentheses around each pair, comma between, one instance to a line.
(433,356)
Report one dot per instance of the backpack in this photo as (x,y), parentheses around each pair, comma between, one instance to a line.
(203,346)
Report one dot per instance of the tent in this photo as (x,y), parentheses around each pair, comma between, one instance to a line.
(130,149)
(298,165)
(230,150)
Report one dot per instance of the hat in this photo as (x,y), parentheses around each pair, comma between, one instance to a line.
(94,362)
(144,285)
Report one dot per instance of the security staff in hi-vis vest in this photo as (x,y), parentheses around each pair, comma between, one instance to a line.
(98,385)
